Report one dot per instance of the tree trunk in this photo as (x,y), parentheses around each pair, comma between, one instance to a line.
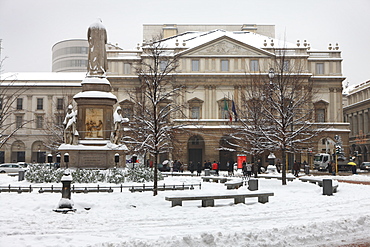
(155,186)
(283,172)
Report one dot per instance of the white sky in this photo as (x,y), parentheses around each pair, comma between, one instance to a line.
(29,29)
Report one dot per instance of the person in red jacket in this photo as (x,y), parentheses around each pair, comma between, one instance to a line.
(215,167)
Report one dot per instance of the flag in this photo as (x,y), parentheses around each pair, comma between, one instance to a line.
(226,109)
(233,109)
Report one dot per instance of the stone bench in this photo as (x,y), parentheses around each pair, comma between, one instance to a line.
(216,179)
(319,182)
(290,179)
(209,200)
(234,184)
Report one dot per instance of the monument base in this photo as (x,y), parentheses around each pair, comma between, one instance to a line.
(91,154)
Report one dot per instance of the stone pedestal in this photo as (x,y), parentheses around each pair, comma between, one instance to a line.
(86,155)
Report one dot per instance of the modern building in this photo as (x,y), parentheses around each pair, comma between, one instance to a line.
(70,56)
(356,113)
(215,60)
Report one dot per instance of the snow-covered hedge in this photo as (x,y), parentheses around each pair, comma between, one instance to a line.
(140,174)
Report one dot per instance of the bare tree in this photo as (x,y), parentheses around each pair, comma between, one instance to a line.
(288,107)
(9,93)
(251,119)
(155,103)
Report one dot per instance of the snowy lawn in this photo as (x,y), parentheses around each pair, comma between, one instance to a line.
(298,215)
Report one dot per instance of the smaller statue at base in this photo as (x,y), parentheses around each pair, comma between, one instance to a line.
(118,120)
(70,132)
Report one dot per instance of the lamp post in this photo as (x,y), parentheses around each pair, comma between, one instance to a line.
(271,75)
(116,159)
(58,160)
(50,159)
(66,159)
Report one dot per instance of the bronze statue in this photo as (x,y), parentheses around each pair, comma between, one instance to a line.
(97,55)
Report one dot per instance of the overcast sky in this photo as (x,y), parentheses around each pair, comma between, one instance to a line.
(29,29)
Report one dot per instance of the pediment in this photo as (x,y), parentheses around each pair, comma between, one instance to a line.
(226,47)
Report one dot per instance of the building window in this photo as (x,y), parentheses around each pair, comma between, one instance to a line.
(195,112)
(1,104)
(59,120)
(320,115)
(286,65)
(320,68)
(60,104)
(195,108)
(127,68)
(40,103)
(39,122)
(127,112)
(18,121)
(224,65)
(19,104)
(194,65)
(163,65)
(254,66)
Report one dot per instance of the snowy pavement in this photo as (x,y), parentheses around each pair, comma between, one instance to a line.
(297,215)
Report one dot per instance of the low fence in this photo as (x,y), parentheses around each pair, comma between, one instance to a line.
(98,188)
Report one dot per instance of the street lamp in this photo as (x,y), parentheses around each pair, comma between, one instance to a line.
(66,159)
(116,158)
(271,75)
(58,160)
(50,159)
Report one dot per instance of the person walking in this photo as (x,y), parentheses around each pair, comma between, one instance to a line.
(230,167)
(255,169)
(244,169)
(249,170)
(191,167)
(199,168)
(215,167)
(296,169)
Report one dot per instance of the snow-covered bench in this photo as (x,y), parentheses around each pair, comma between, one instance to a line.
(318,181)
(209,200)
(234,184)
(216,179)
(279,177)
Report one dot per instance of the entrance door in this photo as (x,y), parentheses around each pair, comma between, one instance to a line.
(21,156)
(195,156)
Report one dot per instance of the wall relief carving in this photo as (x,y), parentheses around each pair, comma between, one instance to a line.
(226,48)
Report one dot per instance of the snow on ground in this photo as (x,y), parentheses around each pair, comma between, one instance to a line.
(297,215)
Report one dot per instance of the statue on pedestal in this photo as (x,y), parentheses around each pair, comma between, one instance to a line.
(118,120)
(97,55)
(70,132)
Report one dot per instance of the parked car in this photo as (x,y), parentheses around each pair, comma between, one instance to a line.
(365,166)
(23,164)
(9,168)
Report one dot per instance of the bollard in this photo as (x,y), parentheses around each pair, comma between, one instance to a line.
(327,187)
(66,204)
(21,175)
(253,184)
(207,172)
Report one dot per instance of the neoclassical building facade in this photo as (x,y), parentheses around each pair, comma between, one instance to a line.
(214,62)
(356,113)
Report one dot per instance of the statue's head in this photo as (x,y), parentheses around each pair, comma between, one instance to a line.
(69,109)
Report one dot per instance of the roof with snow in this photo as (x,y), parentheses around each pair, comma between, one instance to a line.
(194,39)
